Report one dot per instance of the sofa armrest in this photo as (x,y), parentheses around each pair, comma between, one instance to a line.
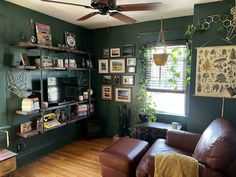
(183,140)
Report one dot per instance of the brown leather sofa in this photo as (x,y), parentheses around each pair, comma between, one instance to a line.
(215,150)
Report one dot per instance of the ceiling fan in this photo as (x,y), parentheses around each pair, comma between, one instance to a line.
(105,7)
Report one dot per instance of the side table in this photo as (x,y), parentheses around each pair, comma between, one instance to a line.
(7,161)
(151,131)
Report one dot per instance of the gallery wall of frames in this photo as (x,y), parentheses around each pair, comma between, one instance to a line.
(118,68)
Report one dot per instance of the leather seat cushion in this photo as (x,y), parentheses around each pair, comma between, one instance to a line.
(124,154)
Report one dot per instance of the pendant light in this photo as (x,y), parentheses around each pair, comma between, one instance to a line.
(161,59)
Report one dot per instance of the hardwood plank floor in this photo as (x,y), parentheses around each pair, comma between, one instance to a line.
(78,159)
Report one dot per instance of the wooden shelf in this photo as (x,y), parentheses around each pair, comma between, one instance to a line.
(28,45)
(28,134)
(78,119)
(27,113)
(50,68)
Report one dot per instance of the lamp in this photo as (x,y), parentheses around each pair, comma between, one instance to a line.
(226,93)
(160,59)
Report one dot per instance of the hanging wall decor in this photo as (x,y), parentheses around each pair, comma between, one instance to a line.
(215,70)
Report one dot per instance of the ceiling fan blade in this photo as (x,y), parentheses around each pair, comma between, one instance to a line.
(87,16)
(139,7)
(122,17)
(67,3)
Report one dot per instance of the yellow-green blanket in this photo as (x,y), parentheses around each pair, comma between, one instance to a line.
(175,165)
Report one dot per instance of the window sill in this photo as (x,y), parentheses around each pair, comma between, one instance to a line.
(171,114)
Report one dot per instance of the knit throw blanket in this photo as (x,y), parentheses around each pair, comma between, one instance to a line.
(175,165)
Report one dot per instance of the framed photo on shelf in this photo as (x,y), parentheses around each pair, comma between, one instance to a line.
(107,79)
(117,80)
(115,52)
(107,92)
(25,127)
(70,40)
(117,66)
(123,95)
(43,34)
(131,69)
(127,50)
(25,59)
(106,53)
(128,80)
(131,62)
(103,66)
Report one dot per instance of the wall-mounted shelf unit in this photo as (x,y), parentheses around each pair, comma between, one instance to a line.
(67,105)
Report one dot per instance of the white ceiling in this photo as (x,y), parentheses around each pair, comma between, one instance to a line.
(170,8)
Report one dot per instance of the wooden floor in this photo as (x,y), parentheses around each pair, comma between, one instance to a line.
(78,159)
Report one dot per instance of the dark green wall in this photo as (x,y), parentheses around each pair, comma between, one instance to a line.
(13,21)
(137,34)
(205,109)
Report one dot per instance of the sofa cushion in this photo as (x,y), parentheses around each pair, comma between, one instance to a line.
(146,165)
(216,147)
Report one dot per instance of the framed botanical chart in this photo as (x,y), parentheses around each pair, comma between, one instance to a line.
(215,70)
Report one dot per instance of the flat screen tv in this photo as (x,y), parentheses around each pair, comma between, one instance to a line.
(59,90)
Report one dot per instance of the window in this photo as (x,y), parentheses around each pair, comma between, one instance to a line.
(168,98)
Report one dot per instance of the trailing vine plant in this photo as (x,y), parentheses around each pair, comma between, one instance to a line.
(144,102)
(175,75)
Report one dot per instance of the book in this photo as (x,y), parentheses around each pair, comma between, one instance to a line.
(25,59)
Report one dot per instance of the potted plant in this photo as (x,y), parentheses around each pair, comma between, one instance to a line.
(144,103)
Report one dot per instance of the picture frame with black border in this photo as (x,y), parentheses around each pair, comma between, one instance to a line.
(107,79)
(106,92)
(117,65)
(70,40)
(123,94)
(106,53)
(116,80)
(115,52)
(127,50)
(131,69)
(128,80)
(103,66)
(131,62)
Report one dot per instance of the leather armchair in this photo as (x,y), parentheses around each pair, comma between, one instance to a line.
(214,149)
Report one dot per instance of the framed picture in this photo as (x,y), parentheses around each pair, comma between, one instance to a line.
(123,95)
(25,59)
(131,69)
(128,50)
(116,80)
(25,127)
(106,53)
(103,66)
(117,66)
(128,80)
(107,79)
(131,61)
(115,52)
(43,34)
(107,92)
(70,40)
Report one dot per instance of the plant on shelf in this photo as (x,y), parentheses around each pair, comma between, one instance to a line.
(144,102)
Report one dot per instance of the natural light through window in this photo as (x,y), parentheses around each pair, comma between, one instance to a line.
(167,99)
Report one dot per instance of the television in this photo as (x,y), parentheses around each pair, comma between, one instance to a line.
(60,90)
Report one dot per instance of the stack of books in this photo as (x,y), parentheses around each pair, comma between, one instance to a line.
(30,104)
(82,110)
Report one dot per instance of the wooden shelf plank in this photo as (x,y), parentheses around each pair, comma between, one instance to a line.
(27,113)
(28,45)
(28,134)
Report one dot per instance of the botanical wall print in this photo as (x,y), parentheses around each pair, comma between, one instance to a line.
(106,92)
(131,62)
(215,70)
(123,94)
(103,66)
(128,80)
(117,66)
